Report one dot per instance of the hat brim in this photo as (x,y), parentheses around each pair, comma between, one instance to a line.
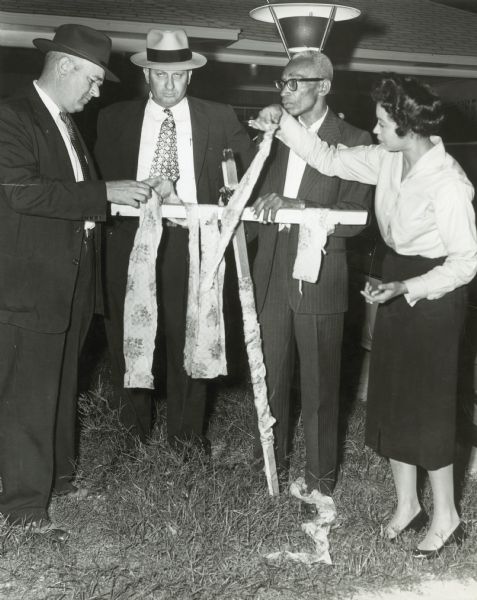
(49,45)
(197,61)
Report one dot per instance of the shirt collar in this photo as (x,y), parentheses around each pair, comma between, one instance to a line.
(434,157)
(179,111)
(314,127)
(52,107)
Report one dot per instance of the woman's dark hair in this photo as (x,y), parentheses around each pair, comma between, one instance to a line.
(412,105)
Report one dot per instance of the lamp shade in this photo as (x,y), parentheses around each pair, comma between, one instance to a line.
(304,25)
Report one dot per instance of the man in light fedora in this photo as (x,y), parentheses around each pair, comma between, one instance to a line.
(50,206)
(129,134)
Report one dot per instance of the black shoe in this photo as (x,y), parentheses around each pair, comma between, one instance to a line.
(258,464)
(191,445)
(416,524)
(47,530)
(456,537)
(75,492)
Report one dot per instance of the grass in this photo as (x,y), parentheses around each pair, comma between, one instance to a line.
(170,530)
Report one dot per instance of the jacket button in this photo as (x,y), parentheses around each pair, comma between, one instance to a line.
(76,261)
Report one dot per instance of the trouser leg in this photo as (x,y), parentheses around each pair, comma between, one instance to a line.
(278,349)
(186,397)
(30,365)
(319,339)
(134,405)
(279,357)
(66,416)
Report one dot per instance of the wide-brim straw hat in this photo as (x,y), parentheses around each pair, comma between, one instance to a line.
(168,50)
(82,41)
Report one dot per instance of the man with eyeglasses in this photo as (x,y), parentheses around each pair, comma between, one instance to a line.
(305,317)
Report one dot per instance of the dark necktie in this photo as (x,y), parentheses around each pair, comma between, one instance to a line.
(165,161)
(76,143)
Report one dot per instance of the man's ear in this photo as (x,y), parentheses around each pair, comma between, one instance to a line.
(325,87)
(190,76)
(145,70)
(64,66)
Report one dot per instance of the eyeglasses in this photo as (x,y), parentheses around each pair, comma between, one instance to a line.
(292,84)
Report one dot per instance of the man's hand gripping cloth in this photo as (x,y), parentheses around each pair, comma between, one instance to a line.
(140,305)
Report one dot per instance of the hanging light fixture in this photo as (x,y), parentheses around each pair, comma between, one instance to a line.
(303,26)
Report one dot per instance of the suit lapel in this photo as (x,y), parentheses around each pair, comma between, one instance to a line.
(275,169)
(49,128)
(131,139)
(329,132)
(283,153)
(200,134)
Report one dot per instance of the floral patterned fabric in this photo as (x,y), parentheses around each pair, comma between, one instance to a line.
(204,351)
(140,305)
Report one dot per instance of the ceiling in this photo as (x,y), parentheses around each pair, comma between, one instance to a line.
(433,39)
(421,37)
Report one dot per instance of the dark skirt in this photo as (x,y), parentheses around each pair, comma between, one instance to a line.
(411,408)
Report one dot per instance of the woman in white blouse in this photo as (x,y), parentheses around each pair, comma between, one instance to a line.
(424,211)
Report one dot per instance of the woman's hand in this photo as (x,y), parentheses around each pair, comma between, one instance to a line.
(268,118)
(383,291)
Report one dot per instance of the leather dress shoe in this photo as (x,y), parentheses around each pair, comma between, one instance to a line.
(49,531)
(77,493)
(258,464)
(416,524)
(456,537)
(191,445)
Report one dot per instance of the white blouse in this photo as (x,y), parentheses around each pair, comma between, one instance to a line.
(428,213)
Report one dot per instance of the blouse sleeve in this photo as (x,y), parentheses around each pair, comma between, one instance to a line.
(455,220)
(360,163)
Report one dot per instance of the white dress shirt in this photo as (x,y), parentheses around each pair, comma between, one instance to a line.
(428,213)
(296,167)
(153,117)
(54,111)
(296,164)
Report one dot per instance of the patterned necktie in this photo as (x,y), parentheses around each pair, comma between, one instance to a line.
(165,162)
(76,143)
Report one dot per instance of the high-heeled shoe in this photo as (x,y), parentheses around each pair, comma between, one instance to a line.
(415,524)
(456,537)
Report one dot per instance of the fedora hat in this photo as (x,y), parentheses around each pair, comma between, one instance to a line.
(169,51)
(81,41)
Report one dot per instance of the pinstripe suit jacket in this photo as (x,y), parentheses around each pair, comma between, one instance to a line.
(330,294)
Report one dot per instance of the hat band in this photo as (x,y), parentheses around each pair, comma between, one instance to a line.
(168,56)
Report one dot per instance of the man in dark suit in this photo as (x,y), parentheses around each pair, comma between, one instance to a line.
(50,203)
(298,316)
(129,134)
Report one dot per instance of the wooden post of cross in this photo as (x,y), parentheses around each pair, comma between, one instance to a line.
(252,335)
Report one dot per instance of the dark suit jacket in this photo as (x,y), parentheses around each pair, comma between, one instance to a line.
(330,294)
(42,211)
(214,127)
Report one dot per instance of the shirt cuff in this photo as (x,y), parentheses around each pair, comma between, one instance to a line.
(416,290)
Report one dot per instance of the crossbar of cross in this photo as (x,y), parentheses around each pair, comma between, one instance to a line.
(284,215)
